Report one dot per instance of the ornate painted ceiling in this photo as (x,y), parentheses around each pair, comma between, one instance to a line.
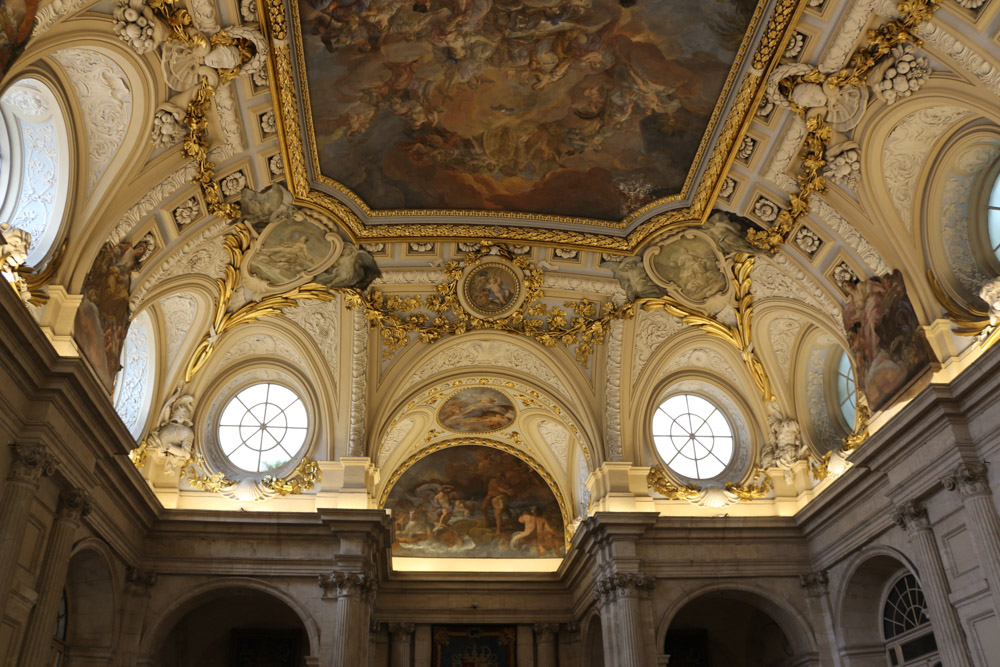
(590,122)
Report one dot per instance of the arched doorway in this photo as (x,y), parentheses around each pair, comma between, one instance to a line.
(87,611)
(593,648)
(235,626)
(729,628)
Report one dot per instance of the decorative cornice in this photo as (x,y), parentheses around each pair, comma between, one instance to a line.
(29,462)
(74,504)
(970,479)
(911,516)
(346,584)
(546,632)
(400,630)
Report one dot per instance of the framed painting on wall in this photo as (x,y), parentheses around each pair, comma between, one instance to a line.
(473,646)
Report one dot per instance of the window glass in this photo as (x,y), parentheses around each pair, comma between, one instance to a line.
(692,436)
(847,392)
(993,218)
(263,427)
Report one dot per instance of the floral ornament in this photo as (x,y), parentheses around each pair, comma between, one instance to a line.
(136,26)
(267,124)
(373,247)
(765,107)
(520,249)
(168,126)
(746,149)
(971,4)
(899,75)
(233,184)
(807,241)
(566,253)
(843,164)
(728,188)
(276,165)
(843,273)
(795,45)
(419,246)
(248,11)
(187,212)
(468,247)
(766,210)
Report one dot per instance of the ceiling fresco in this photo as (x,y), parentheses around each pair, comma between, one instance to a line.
(597,114)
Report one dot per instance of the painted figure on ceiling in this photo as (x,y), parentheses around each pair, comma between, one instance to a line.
(17,18)
(882,329)
(102,319)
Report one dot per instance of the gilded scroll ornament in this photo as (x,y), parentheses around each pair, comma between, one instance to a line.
(753,490)
(658,481)
(196,148)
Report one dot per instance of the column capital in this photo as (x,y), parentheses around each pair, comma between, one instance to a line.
(546,632)
(911,516)
(814,583)
(400,630)
(969,479)
(29,462)
(74,504)
(346,584)
(621,585)
(139,581)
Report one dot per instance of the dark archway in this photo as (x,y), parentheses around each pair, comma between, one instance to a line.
(726,628)
(90,609)
(236,626)
(593,649)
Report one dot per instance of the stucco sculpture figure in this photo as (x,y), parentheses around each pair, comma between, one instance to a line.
(173,438)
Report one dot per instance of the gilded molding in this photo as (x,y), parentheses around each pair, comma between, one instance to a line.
(658,480)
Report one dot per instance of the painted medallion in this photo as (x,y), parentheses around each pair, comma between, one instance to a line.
(477,410)
(491,289)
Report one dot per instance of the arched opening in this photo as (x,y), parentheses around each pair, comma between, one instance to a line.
(89,619)
(728,628)
(236,627)
(593,650)
(873,635)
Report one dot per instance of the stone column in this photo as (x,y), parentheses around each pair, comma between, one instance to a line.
(545,644)
(934,582)
(28,463)
(138,584)
(74,504)
(816,587)
(621,595)
(353,592)
(569,645)
(981,516)
(402,644)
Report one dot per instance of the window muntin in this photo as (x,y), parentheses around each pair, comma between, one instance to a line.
(905,625)
(693,436)
(263,427)
(993,218)
(847,390)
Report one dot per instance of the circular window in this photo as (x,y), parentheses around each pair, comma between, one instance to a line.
(993,218)
(263,427)
(692,436)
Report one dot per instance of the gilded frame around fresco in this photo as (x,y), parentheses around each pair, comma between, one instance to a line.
(624,236)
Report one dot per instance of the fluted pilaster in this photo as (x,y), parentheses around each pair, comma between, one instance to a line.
(621,617)
(28,464)
(971,481)
(353,592)
(401,636)
(947,629)
(74,504)
(545,644)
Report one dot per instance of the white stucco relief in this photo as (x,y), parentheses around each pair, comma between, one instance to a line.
(556,437)
(907,148)
(106,102)
(495,353)
(395,436)
(179,311)
(782,333)
(651,330)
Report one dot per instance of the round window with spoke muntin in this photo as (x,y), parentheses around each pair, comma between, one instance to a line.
(693,436)
(263,427)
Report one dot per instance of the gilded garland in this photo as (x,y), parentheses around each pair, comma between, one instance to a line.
(582,324)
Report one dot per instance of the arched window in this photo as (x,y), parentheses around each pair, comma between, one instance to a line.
(993,218)
(847,390)
(34,164)
(134,383)
(692,436)
(906,629)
